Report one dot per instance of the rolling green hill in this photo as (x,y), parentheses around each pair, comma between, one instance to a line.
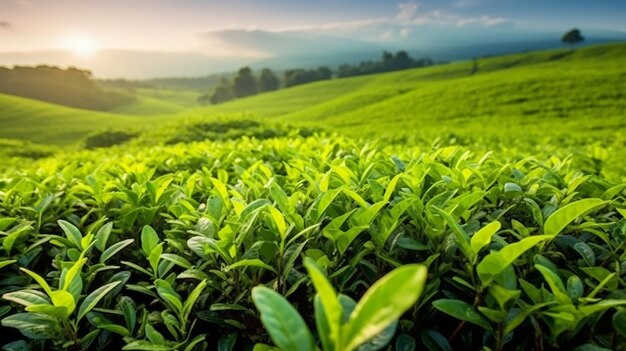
(580,89)
(46,123)
(507,97)
(150,101)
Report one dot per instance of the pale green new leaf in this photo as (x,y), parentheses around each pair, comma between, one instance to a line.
(42,282)
(6,263)
(494,263)
(61,298)
(568,213)
(253,262)
(384,302)
(328,298)
(483,237)
(149,239)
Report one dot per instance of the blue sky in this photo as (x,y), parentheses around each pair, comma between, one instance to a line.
(260,29)
(45,24)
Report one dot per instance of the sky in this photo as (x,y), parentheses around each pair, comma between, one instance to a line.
(78,31)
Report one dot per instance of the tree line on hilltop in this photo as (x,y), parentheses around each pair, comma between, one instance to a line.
(245,83)
(70,87)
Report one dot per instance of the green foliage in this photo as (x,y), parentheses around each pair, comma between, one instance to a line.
(370,323)
(166,247)
(108,139)
(69,87)
(171,242)
(572,37)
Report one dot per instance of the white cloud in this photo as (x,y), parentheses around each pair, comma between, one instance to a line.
(407,11)
(409,16)
(412,23)
(386,35)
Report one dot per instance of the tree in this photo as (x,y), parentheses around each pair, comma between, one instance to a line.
(204,99)
(403,60)
(387,61)
(222,93)
(299,76)
(324,73)
(268,81)
(346,70)
(245,83)
(572,37)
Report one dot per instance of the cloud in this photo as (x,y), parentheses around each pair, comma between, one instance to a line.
(407,11)
(413,25)
(4,24)
(409,16)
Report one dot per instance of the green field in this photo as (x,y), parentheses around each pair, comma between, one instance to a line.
(509,96)
(426,209)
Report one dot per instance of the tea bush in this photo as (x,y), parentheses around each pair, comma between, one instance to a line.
(243,244)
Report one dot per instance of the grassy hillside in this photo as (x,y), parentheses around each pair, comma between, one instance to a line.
(148,101)
(469,211)
(580,89)
(508,97)
(46,123)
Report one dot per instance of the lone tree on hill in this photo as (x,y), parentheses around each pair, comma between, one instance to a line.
(572,37)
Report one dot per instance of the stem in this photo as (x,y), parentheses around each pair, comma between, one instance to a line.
(460,326)
(499,337)
(70,332)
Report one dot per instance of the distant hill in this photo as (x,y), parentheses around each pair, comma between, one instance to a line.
(582,88)
(557,93)
(69,87)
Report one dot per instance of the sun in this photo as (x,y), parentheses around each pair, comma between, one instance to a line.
(81,45)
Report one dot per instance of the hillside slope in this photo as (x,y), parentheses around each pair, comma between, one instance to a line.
(574,91)
(46,123)
(579,90)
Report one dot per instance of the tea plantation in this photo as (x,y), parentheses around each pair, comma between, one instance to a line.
(227,229)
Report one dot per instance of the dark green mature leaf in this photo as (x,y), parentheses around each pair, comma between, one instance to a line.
(34,325)
(27,297)
(72,233)
(102,236)
(619,322)
(284,324)
(92,299)
(461,310)
(115,248)
(434,341)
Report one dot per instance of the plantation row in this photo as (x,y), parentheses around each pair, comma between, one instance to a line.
(310,243)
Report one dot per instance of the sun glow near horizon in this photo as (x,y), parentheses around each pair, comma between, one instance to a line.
(81,45)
